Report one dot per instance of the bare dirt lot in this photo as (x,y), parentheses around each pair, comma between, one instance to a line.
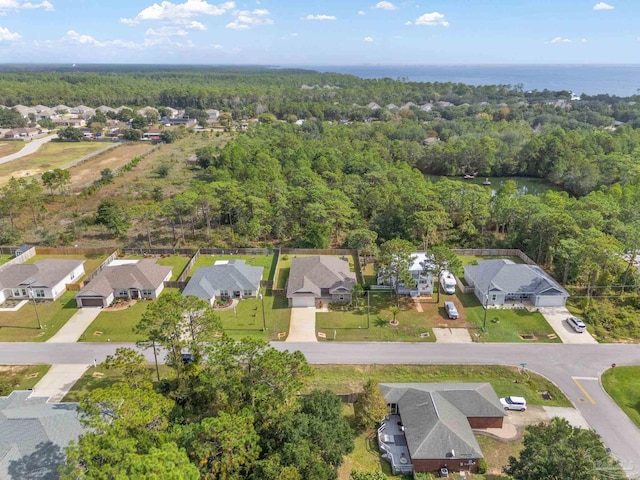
(88,171)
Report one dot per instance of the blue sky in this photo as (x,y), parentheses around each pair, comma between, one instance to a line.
(322,32)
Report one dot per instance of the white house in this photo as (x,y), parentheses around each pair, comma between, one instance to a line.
(44,279)
(422,282)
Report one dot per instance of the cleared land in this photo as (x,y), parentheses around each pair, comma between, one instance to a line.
(89,170)
(7,148)
(623,384)
(49,156)
(14,377)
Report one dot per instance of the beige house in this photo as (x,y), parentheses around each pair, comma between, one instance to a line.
(319,278)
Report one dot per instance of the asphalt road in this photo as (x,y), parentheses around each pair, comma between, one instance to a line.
(28,149)
(576,369)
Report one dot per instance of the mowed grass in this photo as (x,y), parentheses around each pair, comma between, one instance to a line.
(266,261)
(506,325)
(246,321)
(496,454)
(474,259)
(22,326)
(4,258)
(21,377)
(623,384)
(344,379)
(51,155)
(176,262)
(284,267)
(352,324)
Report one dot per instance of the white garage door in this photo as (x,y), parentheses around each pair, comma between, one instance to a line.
(550,301)
(303,302)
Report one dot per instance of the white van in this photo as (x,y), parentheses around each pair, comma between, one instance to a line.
(448,282)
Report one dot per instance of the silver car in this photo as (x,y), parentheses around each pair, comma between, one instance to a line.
(577,324)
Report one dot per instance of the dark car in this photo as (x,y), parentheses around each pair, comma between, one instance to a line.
(187,358)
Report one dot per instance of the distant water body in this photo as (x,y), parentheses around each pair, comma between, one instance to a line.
(621,80)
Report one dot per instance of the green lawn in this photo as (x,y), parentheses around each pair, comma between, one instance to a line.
(266,261)
(352,324)
(247,318)
(351,378)
(116,326)
(13,377)
(506,325)
(22,326)
(623,384)
(4,258)
(177,262)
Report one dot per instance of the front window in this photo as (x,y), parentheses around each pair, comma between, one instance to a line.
(248,293)
(72,276)
(224,293)
(39,293)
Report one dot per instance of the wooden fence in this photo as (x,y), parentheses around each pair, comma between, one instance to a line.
(500,252)
(318,251)
(73,250)
(238,251)
(158,251)
(97,271)
(185,273)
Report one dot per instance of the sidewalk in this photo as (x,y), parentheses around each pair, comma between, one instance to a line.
(71,331)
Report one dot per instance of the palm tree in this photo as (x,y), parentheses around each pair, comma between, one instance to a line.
(356,293)
(394,311)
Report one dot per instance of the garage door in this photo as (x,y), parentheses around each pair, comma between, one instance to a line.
(550,301)
(303,302)
(92,302)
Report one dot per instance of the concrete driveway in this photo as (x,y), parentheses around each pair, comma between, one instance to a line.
(28,149)
(302,326)
(452,335)
(557,318)
(76,325)
(57,382)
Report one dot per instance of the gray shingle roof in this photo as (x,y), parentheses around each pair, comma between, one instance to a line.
(234,275)
(435,416)
(143,275)
(34,435)
(311,274)
(45,273)
(509,277)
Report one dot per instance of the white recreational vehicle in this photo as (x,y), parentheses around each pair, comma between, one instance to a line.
(448,282)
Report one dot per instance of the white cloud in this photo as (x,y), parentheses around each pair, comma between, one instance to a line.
(430,19)
(166,31)
(559,40)
(385,6)
(361,12)
(193,25)
(8,36)
(73,37)
(245,19)
(216,46)
(368,39)
(603,6)
(173,12)
(583,40)
(319,17)
(45,5)
(22,5)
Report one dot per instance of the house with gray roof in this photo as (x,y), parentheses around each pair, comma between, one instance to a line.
(43,280)
(499,281)
(225,279)
(430,425)
(131,280)
(319,278)
(34,435)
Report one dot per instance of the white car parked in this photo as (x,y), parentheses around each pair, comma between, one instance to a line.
(514,403)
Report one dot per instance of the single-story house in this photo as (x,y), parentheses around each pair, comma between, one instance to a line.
(422,281)
(22,133)
(139,279)
(213,115)
(35,434)
(152,134)
(225,279)
(187,122)
(429,425)
(44,280)
(498,281)
(319,278)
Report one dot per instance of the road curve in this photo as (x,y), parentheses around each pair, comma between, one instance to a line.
(576,369)
(28,149)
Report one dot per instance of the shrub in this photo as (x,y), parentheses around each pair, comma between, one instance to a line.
(482,466)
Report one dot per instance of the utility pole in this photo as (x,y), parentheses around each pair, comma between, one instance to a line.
(34,305)
(368,307)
